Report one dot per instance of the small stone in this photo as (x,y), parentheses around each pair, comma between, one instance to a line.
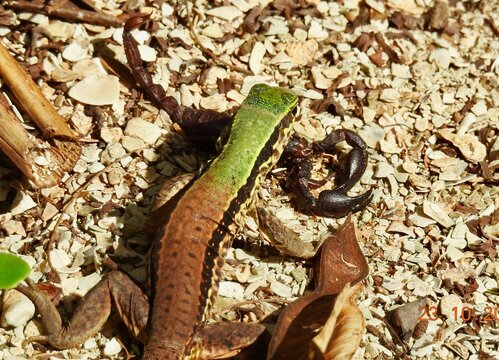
(437,213)
(299,274)
(74,52)
(421,124)
(96,90)
(368,114)
(436,103)
(389,95)
(147,53)
(22,203)
(316,31)
(116,151)
(480,108)
(372,134)
(12,227)
(301,53)
(376,5)
(231,290)
(112,347)
(383,169)
(419,181)
(144,130)
(320,80)
(256,57)
(401,71)
(441,57)
(449,304)
(453,253)
(420,219)
(85,283)
(17,309)
(280,289)
(229,13)
(213,31)
(59,258)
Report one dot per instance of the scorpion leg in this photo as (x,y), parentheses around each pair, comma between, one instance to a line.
(201,126)
(336,202)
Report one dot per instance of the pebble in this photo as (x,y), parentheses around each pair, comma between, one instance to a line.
(228,13)
(85,283)
(316,31)
(448,305)
(299,274)
(453,253)
(301,53)
(437,213)
(17,309)
(389,95)
(320,80)
(256,57)
(280,289)
(74,52)
(96,90)
(147,53)
(372,134)
(213,31)
(231,290)
(480,108)
(59,258)
(420,219)
(144,130)
(22,203)
(112,347)
(383,169)
(441,57)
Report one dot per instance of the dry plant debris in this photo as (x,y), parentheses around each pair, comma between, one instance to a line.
(417,79)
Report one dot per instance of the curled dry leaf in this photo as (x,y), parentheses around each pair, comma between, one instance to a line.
(341,335)
(341,262)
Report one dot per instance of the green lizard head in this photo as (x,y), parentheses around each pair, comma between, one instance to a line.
(274,99)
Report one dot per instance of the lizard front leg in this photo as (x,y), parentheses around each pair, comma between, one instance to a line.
(92,311)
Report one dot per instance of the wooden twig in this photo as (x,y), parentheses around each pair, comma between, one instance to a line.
(42,162)
(67,13)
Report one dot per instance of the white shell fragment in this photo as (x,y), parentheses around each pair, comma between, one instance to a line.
(22,203)
(17,309)
(74,52)
(256,57)
(112,347)
(437,213)
(231,289)
(144,130)
(96,90)
(229,13)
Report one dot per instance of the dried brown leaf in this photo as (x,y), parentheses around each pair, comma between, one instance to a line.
(341,335)
(299,321)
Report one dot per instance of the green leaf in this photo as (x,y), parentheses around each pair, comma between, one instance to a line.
(13,270)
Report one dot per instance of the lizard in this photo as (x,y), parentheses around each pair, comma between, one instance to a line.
(186,257)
